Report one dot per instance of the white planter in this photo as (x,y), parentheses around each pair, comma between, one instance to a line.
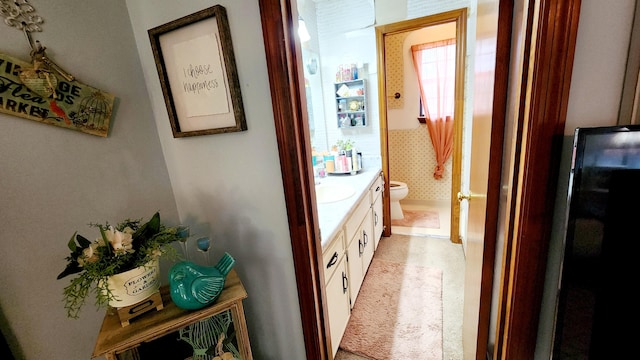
(135,285)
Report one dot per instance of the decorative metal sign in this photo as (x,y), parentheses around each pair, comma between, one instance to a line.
(41,90)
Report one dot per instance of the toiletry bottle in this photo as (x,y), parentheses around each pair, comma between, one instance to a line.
(353,160)
(340,164)
(320,165)
(347,161)
(329,163)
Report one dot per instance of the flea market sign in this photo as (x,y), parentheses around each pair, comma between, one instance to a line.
(29,92)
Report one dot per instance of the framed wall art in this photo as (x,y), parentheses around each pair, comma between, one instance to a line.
(197,71)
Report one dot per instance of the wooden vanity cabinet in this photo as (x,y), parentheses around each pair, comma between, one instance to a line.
(348,256)
(337,289)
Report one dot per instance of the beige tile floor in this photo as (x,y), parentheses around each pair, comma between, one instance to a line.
(431,247)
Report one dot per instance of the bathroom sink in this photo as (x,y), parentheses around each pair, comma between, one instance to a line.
(328,193)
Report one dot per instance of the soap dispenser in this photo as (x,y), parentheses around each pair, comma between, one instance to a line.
(318,168)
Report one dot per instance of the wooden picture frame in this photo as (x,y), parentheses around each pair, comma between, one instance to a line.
(197,71)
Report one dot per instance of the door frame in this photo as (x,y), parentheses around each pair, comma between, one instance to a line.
(459,17)
(539,115)
(286,77)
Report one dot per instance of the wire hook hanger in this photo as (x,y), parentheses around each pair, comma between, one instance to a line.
(21,15)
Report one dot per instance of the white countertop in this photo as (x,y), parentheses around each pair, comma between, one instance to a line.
(332,216)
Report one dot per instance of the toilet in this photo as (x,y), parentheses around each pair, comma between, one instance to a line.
(397,191)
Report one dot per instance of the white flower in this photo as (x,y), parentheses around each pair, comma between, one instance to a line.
(120,240)
(89,254)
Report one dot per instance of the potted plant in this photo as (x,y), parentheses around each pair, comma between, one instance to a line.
(345,144)
(131,249)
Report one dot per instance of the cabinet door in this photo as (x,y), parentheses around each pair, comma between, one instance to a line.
(332,254)
(377,221)
(338,304)
(355,251)
(368,241)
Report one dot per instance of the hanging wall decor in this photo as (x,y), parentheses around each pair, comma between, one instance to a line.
(197,70)
(41,90)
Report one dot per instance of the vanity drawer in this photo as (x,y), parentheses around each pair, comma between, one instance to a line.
(332,255)
(377,188)
(360,211)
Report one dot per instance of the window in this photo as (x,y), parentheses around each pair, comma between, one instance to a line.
(437,76)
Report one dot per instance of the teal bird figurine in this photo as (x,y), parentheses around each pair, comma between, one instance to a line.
(194,286)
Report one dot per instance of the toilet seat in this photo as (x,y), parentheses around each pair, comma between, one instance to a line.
(393,185)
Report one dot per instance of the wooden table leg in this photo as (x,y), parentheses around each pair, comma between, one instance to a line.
(242,333)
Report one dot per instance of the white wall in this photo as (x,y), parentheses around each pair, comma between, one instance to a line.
(346,35)
(604,30)
(231,184)
(54,181)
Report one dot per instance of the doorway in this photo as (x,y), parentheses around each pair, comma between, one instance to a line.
(556,29)
(286,74)
(386,36)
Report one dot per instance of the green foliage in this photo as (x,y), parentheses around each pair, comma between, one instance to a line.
(128,245)
(345,144)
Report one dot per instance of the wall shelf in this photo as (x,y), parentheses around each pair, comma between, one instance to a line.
(351,102)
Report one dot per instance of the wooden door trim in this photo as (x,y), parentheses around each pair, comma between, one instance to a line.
(459,17)
(494,185)
(543,117)
(286,76)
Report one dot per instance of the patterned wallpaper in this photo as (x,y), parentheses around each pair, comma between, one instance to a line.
(394,66)
(412,161)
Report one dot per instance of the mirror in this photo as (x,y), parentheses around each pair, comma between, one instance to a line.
(308,36)
(313,89)
(340,33)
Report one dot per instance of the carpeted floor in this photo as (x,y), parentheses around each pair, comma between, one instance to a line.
(432,252)
(398,314)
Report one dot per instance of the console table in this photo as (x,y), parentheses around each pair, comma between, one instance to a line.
(118,343)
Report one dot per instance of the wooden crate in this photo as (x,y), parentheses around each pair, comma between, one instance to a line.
(127,313)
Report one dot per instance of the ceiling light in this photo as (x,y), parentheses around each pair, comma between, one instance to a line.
(303,33)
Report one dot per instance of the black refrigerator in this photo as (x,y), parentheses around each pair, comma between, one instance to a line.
(597,309)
